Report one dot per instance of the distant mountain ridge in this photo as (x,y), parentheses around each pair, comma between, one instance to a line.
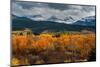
(87,21)
(67,20)
(40,26)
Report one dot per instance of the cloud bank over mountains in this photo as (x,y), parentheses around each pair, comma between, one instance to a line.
(46,11)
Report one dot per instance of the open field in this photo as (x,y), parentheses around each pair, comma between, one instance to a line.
(50,48)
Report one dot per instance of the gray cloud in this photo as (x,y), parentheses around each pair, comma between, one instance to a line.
(47,10)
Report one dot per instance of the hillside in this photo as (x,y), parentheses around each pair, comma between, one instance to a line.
(40,26)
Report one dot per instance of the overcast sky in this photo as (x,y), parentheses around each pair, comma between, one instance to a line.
(47,10)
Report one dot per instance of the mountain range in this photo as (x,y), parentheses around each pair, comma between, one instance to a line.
(52,25)
(87,21)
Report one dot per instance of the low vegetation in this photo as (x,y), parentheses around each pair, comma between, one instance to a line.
(52,48)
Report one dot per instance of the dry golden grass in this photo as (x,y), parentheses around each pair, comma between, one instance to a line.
(77,47)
